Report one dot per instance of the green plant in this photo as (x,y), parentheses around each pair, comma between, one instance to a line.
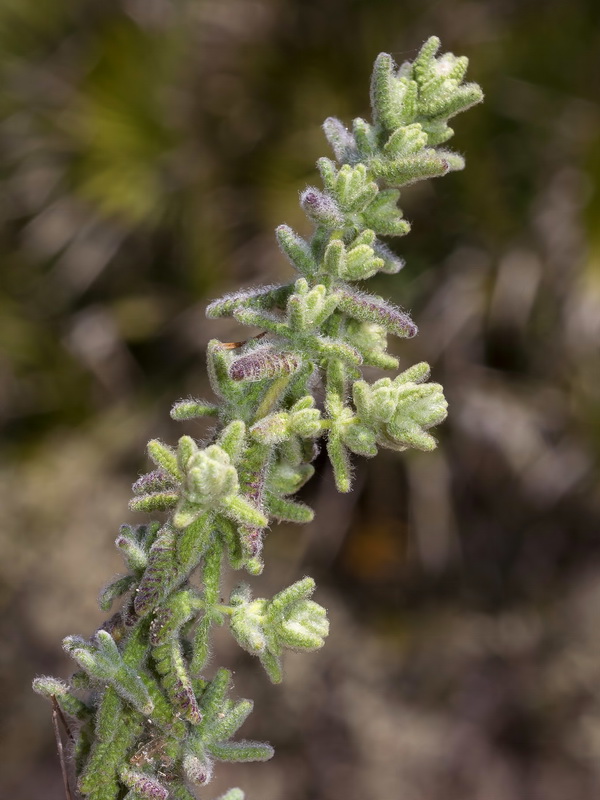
(148,722)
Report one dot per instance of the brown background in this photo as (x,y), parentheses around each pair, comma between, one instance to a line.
(147,150)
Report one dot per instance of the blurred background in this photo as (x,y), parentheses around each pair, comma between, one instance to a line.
(147,150)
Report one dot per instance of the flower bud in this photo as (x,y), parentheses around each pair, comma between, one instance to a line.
(321,208)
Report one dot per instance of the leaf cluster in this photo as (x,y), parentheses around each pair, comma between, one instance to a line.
(148,722)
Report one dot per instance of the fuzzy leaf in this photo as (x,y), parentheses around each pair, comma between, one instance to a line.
(242,751)
(369,308)
(116,588)
(289,510)
(289,620)
(321,208)
(171,615)
(160,574)
(341,140)
(71,705)
(264,362)
(342,469)
(103,662)
(387,93)
(232,439)
(176,680)
(164,457)
(297,250)
(191,409)
(262,297)
(240,510)
(134,553)
(232,794)
(157,501)
(143,785)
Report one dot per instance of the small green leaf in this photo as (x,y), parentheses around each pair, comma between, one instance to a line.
(341,140)
(232,794)
(241,510)
(342,470)
(158,501)
(135,554)
(192,409)
(297,250)
(116,588)
(289,510)
(164,457)
(242,751)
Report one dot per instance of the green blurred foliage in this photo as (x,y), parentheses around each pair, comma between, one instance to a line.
(147,150)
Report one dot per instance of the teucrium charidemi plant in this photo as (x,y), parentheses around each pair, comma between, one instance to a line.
(148,721)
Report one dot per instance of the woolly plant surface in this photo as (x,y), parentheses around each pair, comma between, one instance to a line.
(149,718)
